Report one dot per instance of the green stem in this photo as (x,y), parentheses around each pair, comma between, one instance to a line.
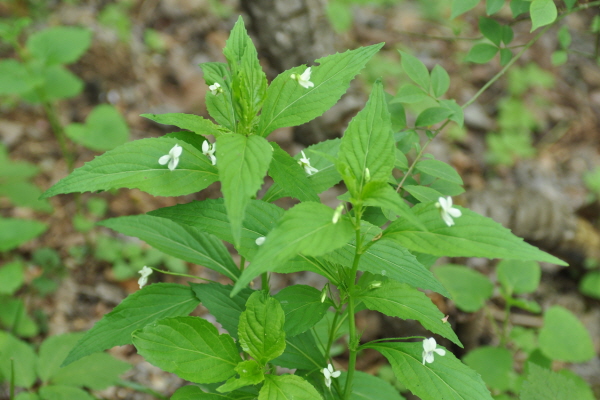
(58,130)
(183,275)
(264,279)
(242,264)
(332,333)
(385,340)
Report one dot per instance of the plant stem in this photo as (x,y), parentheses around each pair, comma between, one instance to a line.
(242,264)
(183,275)
(264,279)
(58,130)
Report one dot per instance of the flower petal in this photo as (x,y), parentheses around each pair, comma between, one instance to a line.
(164,159)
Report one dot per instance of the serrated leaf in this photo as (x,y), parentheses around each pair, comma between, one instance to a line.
(381,194)
(96,371)
(543,12)
(495,364)
(192,392)
(193,123)
(493,6)
(49,45)
(564,338)
(289,104)
(250,373)
(440,170)
(472,236)
(440,81)
(153,302)
(287,387)
(544,384)
(210,216)
(462,6)
(519,277)
(302,306)
(14,232)
(423,193)
(446,378)
(301,352)
(243,162)
(481,53)
(368,387)
(415,69)
(62,392)
(368,141)
(400,300)
(469,289)
(491,29)
(220,105)
(410,93)
(24,360)
(181,241)
(433,115)
(189,347)
(260,329)
(135,165)
(307,229)
(290,176)
(104,129)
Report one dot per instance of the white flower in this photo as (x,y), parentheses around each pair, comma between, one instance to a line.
(330,373)
(447,211)
(429,346)
(259,241)
(215,88)
(145,273)
(209,151)
(172,158)
(304,79)
(305,163)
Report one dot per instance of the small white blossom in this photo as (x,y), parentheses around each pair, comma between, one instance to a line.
(304,79)
(429,346)
(215,88)
(447,211)
(330,373)
(259,241)
(145,273)
(209,151)
(172,158)
(305,163)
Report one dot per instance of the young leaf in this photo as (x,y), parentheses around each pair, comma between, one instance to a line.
(49,45)
(289,104)
(193,123)
(220,105)
(469,289)
(189,347)
(181,241)
(290,176)
(491,29)
(222,306)
(543,12)
(432,116)
(135,165)
(400,300)
(481,53)
(306,228)
(519,277)
(493,6)
(563,337)
(462,6)
(104,129)
(243,163)
(139,309)
(440,80)
(445,378)
(260,330)
(287,387)
(415,69)
(250,372)
(96,371)
(14,232)
(472,236)
(301,352)
(495,364)
(439,169)
(368,141)
(303,308)
(23,358)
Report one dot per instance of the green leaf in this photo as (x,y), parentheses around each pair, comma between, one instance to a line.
(22,193)
(543,12)
(564,37)
(570,4)
(14,78)
(505,56)
(250,372)
(13,315)
(439,169)
(397,113)
(14,232)
(96,371)
(289,104)
(62,392)
(222,306)
(306,228)
(507,34)
(559,57)
(24,360)
(153,302)
(287,387)
(290,176)
(432,116)
(590,284)
(368,387)
(400,300)
(193,123)
(381,194)
(457,111)
(423,193)
(415,69)
(303,308)
(53,352)
(220,105)
(519,7)
(564,338)
(55,83)
(493,6)
(135,165)
(472,236)
(260,330)
(447,188)
(440,81)
(11,277)
(59,45)
(181,241)
(462,6)
(495,364)
(192,392)
(481,53)
(544,384)
(189,347)
(469,289)
(519,277)
(491,29)
(27,396)
(243,162)
(301,352)
(446,378)
(410,93)
(104,129)
(210,216)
